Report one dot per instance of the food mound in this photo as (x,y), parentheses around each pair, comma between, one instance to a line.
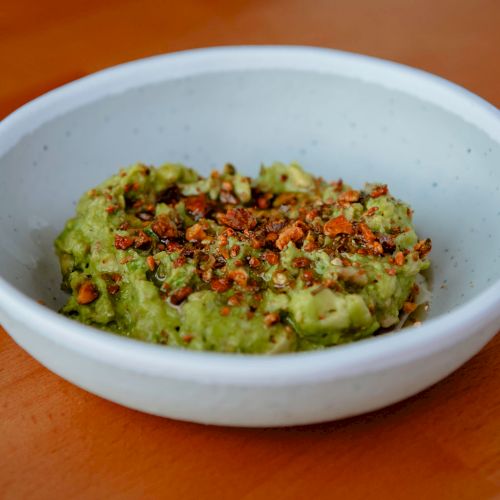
(283,262)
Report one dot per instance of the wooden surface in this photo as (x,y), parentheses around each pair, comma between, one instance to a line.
(57,441)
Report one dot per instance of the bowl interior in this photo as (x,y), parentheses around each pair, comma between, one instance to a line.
(335,126)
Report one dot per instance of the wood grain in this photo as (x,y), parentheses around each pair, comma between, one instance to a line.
(57,441)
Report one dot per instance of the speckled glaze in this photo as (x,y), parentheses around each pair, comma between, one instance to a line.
(339,115)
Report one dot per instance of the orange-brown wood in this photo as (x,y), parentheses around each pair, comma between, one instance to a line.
(57,441)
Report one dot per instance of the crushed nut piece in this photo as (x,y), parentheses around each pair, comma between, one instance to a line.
(123,242)
(399,259)
(239,219)
(220,285)
(164,227)
(291,233)
(379,191)
(196,232)
(350,196)
(180,295)
(301,262)
(409,307)
(271,319)
(87,293)
(338,225)
(150,261)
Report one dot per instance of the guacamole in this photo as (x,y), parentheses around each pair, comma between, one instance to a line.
(283,262)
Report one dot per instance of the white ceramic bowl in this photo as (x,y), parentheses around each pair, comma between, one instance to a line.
(340,115)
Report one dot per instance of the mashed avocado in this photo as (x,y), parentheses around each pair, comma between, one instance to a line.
(284,262)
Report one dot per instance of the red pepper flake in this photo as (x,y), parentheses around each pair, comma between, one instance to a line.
(87,293)
(187,338)
(180,295)
(399,259)
(338,225)
(220,285)
(123,242)
(225,310)
(238,263)
(150,261)
(391,271)
(379,191)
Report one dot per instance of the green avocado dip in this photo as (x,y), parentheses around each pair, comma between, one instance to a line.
(284,262)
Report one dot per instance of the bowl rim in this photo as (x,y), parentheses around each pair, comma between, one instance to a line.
(370,355)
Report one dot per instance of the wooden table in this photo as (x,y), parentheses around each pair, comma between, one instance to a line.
(57,441)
